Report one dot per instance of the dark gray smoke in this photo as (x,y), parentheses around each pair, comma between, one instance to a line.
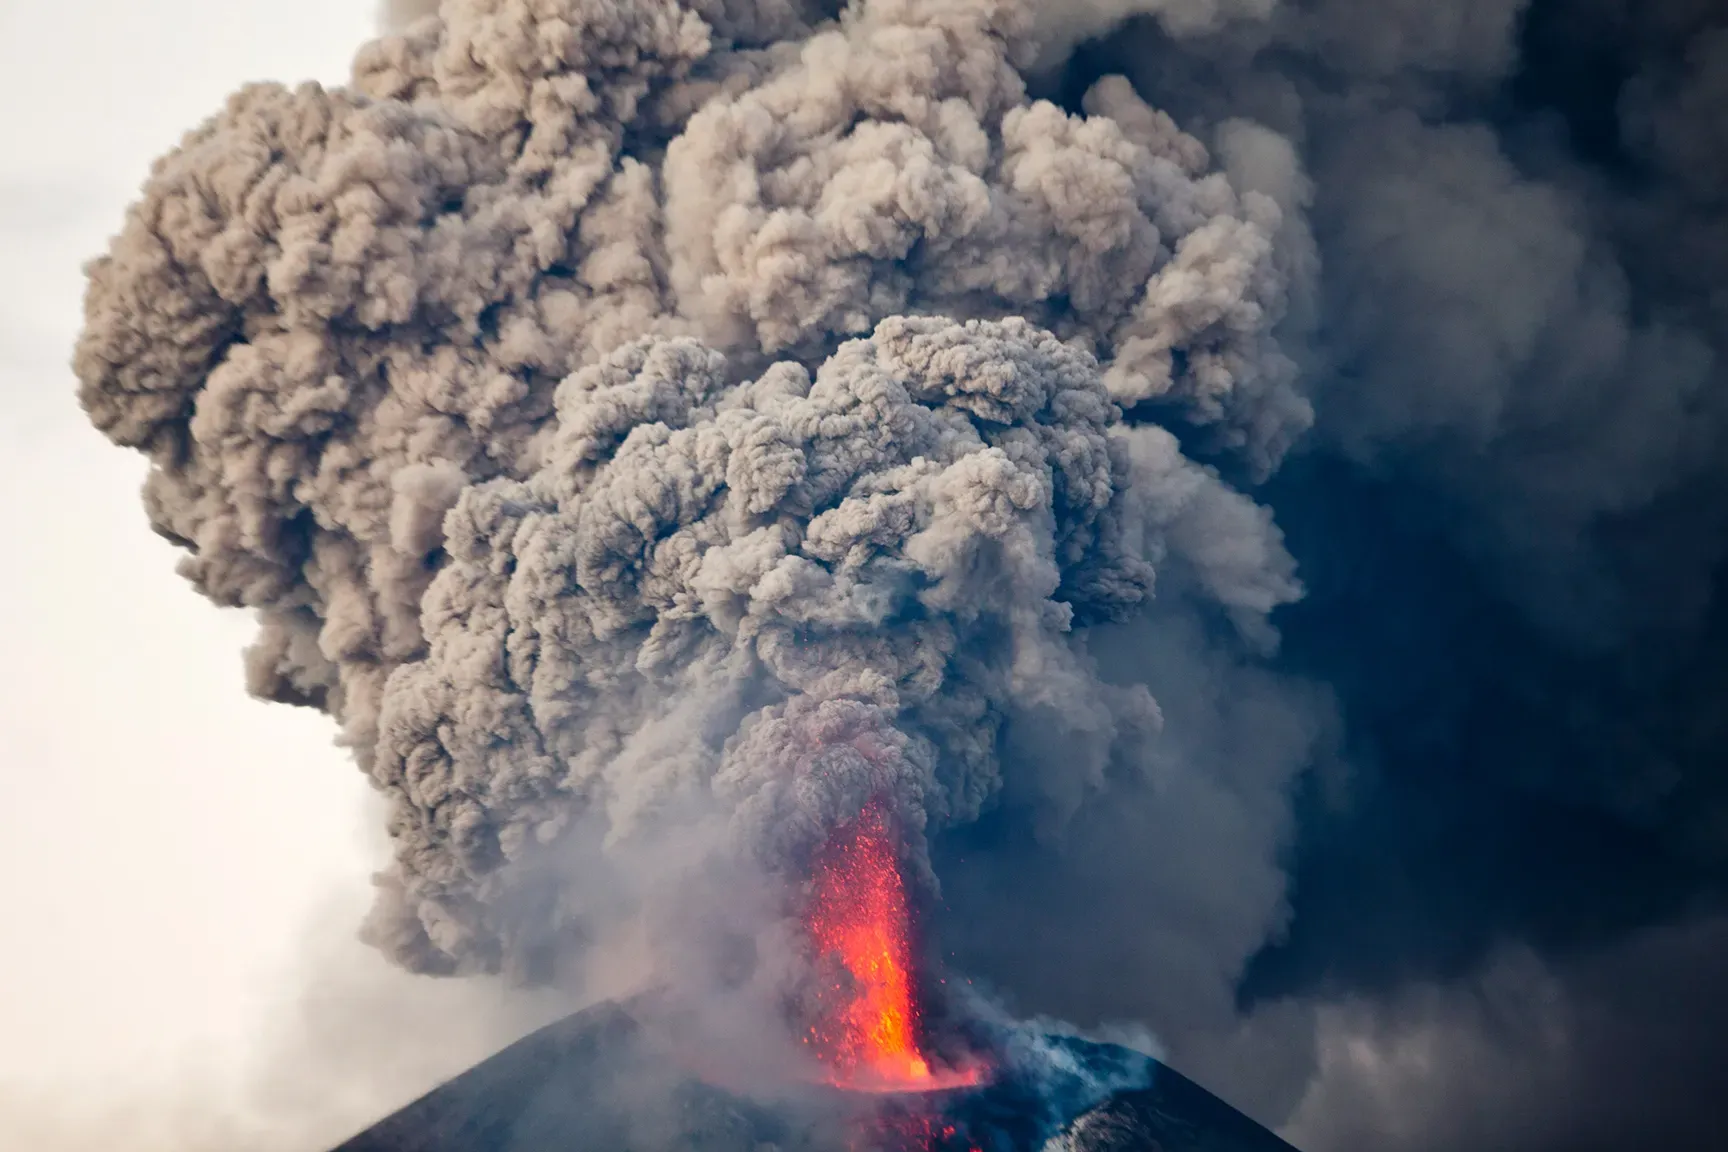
(1510,520)
(652,428)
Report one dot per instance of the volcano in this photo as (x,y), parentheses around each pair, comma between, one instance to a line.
(591,1081)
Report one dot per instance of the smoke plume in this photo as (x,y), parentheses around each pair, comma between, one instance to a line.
(641,423)
(1243,481)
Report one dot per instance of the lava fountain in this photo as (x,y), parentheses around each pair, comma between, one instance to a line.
(868,1034)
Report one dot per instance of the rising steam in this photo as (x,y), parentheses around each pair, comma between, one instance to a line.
(645,423)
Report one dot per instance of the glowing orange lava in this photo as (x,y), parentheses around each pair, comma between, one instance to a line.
(858,916)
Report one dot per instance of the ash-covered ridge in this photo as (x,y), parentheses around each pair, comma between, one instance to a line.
(653,429)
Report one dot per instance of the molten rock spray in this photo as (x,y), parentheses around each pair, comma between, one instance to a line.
(665,433)
(869,1034)
(858,918)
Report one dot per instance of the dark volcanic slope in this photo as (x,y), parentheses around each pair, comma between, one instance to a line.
(1173,1115)
(587,1083)
(581,1083)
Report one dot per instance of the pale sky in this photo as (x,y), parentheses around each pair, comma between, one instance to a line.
(178,863)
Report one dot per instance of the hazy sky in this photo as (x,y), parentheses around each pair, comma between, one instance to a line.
(167,845)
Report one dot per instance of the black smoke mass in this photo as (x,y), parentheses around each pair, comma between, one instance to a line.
(1245,481)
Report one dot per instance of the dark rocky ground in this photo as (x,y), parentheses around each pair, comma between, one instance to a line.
(587,1084)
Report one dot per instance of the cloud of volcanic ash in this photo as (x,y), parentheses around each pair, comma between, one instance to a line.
(1509,519)
(1517,215)
(656,430)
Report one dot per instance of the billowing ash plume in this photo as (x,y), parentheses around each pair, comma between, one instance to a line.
(644,423)
(651,427)
(1510,519)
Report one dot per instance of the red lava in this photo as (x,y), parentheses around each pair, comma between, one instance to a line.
(858,915)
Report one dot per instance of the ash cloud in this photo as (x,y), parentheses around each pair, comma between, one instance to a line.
(1594,1051)
(651,430)
(1491,283)
(397,15)
(1245,477)
(1509,520)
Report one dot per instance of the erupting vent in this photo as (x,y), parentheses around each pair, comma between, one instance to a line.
(868,1032)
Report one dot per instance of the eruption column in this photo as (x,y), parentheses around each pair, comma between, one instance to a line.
(858,917)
